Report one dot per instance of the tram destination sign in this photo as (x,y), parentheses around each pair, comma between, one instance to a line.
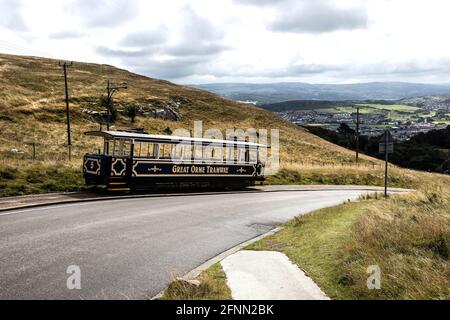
(148,168)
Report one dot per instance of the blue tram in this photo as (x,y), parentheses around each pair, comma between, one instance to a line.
(138,161)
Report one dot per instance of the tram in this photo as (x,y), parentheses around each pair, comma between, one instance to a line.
(131,161)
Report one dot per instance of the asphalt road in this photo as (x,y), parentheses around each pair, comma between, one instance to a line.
(128,249)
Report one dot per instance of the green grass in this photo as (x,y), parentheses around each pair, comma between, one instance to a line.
(314,241)
(345,175)
(407,236)
(392,107)
(213,286)
(39,178)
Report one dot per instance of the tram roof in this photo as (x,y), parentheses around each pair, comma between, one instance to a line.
(143,137)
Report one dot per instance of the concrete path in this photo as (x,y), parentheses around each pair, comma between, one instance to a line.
(268,275)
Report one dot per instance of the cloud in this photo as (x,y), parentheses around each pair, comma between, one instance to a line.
(199,36)
(171,68)
(146,38)
(65,35)
(122,53)
(318,16)
(186,50)
(10,15)
(103,13)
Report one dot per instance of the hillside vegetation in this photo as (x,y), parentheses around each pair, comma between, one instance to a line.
(428,151)
(406,236)
(32,110)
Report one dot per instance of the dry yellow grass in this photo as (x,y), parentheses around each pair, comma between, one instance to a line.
(212,286)
(32,110)
(406,236)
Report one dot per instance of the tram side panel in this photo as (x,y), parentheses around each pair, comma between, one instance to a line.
(146,174)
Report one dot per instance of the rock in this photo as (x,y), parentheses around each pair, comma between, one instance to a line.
(167,113)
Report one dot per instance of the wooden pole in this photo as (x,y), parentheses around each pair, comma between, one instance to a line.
(357,134)
(69,141)
(386,166)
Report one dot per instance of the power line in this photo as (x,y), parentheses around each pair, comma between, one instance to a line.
(23,50)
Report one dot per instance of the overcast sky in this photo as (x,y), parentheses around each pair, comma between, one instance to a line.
(203,41)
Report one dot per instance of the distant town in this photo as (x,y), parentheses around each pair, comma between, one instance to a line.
(405,118)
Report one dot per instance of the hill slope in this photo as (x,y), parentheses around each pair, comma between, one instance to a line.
(32,110)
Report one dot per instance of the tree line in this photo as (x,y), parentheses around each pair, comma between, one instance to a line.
(428,151)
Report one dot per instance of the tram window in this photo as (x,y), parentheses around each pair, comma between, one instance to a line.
(253,156)
(229,154)
(165,151)
(217,154)
(145,150)
(121,148)
(178,151)
(241,155)
(187,152)
(207,153)
(198,152)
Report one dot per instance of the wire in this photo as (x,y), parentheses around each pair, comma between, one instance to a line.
(23,50)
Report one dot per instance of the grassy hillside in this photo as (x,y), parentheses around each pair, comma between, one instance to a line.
(32,110)
(407,236)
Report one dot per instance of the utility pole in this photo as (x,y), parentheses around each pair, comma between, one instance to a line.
(357,134)
(112,88)
(386,158)
(386,146)
(64,65)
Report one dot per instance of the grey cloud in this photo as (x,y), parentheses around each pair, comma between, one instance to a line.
(319,16)
(153,53)
(297,70)
(103,13)
(405,68)
(148,38)
(173,68)
(382,69)
(10,15)
(122,53)
(190,49)
(199,36)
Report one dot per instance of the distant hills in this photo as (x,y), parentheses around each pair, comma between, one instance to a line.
(305,105)
(278,92)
